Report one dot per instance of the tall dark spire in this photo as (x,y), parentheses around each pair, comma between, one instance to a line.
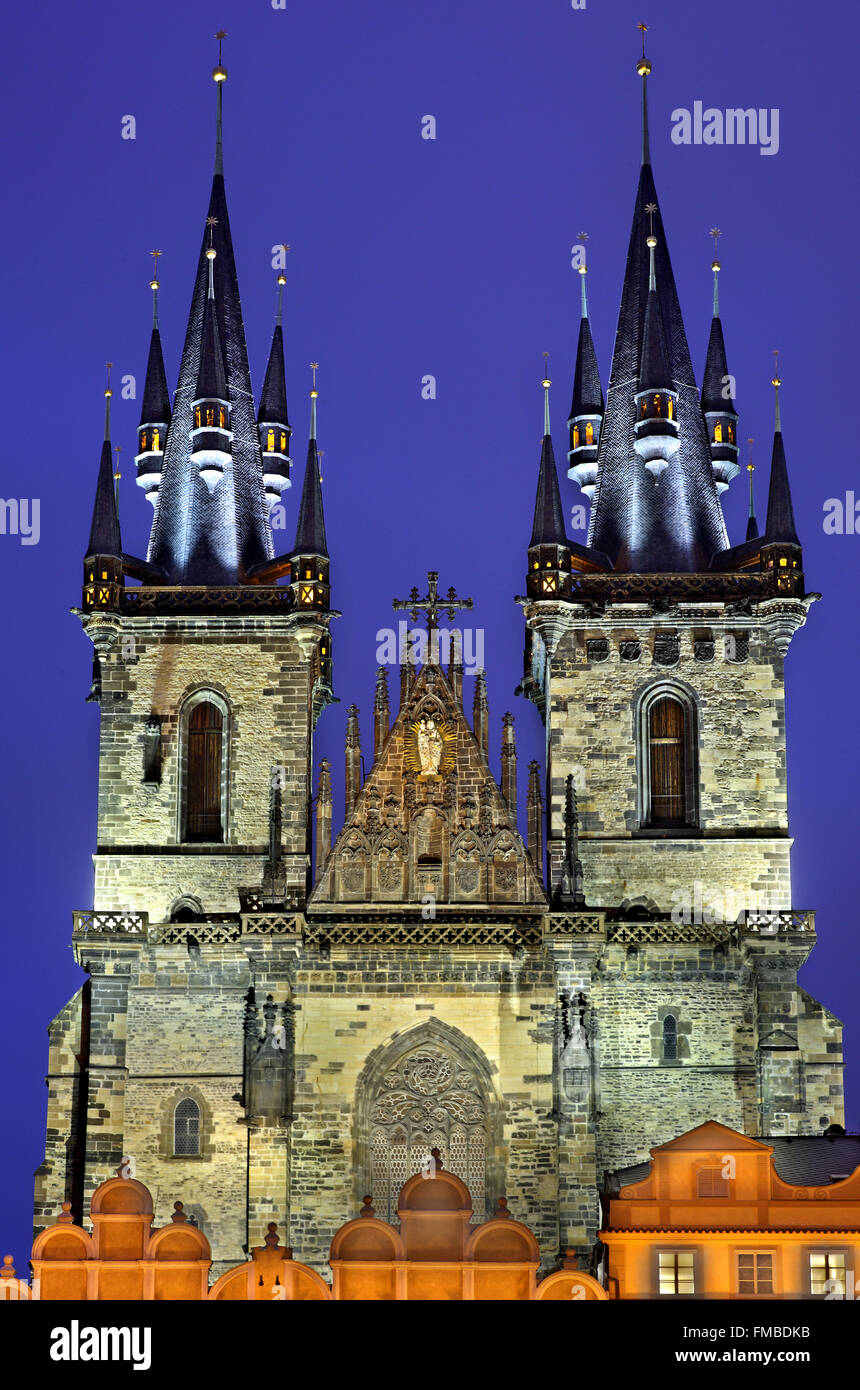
(155,406)
(105,538)
(718,405)
(586,406)
(548,527)
(677,526)
(779,526)
(643,67)
(752,523)
(310,529)
(201,536)
(272,419)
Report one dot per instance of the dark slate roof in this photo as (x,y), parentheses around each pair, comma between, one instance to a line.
(211,378)
(679,525)
(548,528)
(752,527)
(273,400)
(155,407)
(814,1160)
(587,391)
(104,531)
(654,367)
(780,513)
(196,537)
(310,530)
(715,370)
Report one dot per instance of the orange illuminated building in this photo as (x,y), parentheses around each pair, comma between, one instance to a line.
(435,1254)
(718,1215)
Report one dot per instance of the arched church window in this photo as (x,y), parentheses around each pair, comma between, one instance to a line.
(197,417)
(576,436)
(670,408)
(186,1128)
(204,769)
(156,440)
(270,441)
(589,433)
(427,1100)
(718,432)
(731,430)
(658,405)
(670,1038)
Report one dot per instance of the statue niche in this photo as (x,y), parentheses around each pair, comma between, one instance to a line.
(429,852)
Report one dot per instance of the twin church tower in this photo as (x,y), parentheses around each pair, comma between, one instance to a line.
(278,1019)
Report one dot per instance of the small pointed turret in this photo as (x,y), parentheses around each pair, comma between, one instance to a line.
(211,436)
(481,713)
(323,817)
(509,765)
(103,566)
(310,563)
(272,419)
(586,407)
(353,760)
(534,818)
(718,406)
(752,523)
(549,552)
(155,411)
(656,429)
(781,552)
(381,712)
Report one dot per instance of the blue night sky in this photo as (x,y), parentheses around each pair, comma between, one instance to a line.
(409,257)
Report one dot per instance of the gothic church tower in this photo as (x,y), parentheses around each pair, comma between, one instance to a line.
(270,1041)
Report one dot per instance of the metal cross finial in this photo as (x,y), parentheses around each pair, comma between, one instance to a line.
(314,369)
(155,255)
(117,448)
(776,381)
(650,208)
(643,29)
(108,365)
(220,36)
(716,234)
(433,603)
(750,465)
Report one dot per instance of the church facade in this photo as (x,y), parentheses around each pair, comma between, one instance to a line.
(282,1019)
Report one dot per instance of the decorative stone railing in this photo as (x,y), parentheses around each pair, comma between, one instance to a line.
(110,923)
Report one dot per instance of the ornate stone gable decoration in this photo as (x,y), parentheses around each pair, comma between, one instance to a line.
(430,747)
(427,1101)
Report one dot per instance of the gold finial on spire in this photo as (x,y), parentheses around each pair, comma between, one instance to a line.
(314,369)
(750,465)
(546,383)
(320,456)
(643,67)
(650,240)
(583,237)
(211,223)
(117,448)
(282,246)
(153,284)
(219,73)
(108,391)
(716,234)
(776,379)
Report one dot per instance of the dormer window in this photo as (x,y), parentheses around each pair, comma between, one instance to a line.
(197,417)
(576,436)
(589,433)
(718,433)
(670,408)
(270,441)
